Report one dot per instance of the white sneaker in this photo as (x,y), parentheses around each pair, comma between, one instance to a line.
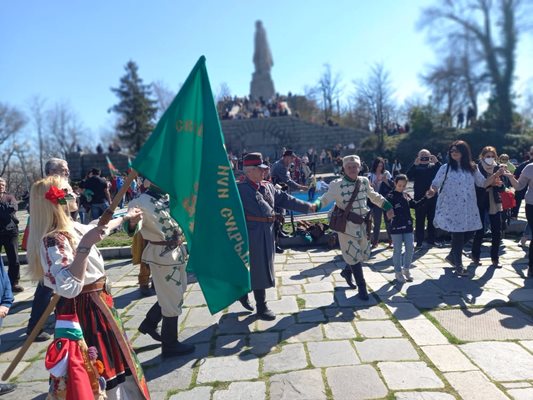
(407,274)
(399,277)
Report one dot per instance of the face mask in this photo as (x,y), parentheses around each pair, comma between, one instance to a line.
(489,160)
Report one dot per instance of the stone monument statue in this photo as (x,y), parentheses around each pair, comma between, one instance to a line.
(262,85)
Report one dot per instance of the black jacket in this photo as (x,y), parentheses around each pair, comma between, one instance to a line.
(402,221)
(422,175)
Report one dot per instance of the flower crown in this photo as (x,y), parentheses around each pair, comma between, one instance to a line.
(56,195)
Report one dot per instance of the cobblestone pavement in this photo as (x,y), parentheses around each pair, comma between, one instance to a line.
(440,337)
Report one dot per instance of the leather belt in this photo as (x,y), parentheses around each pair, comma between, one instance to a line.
(97,286)
(260,219)
(165,242)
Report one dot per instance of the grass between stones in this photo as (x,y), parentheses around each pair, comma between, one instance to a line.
(329,392)
(451,338)
(300,302)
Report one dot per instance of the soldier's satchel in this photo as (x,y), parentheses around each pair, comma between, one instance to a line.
(339,217)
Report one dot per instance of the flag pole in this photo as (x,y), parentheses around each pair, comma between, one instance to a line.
(104,219)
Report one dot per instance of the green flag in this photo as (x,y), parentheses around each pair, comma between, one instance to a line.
(185,156)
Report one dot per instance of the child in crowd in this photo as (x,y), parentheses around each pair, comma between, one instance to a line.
(6,301)
(402,227)
(311,182)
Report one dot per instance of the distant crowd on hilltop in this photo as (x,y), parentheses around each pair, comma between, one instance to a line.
(246,108)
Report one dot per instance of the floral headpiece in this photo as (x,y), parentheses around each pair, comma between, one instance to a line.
(56,195)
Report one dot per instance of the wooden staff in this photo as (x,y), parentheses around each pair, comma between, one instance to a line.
(104,219)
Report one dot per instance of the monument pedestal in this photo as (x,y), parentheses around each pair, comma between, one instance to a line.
(262,86)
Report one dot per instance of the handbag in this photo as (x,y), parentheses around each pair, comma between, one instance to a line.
(508,199)
(339,217)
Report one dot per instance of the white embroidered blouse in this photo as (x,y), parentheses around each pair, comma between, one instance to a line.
(56,256)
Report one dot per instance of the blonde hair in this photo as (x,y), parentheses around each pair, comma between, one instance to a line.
(46,220)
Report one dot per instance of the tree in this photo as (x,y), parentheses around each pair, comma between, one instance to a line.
(447,87)
(163,95)
(65,129)
(136,109)
(375,96)
(328,92)
(11,123)
(480,18)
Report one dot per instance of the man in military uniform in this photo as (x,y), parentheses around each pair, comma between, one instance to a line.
(281,176)
(166,255)
(259,198)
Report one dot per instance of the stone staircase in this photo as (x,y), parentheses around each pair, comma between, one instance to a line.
(269,135)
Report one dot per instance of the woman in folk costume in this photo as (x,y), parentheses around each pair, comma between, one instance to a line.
(354,242)
(91,357)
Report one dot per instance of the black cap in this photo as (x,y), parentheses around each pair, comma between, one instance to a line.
(289,153)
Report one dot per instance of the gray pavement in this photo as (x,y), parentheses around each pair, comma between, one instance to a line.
(438,338)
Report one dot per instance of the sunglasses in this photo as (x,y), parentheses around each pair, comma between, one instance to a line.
(454,151)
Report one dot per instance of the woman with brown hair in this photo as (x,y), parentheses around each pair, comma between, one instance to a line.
(381,181)
(489,202)
(457,210)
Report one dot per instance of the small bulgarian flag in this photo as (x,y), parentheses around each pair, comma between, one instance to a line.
(68,326)
(112,170)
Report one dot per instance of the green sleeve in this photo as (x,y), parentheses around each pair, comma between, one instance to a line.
(386,205)
(126,227)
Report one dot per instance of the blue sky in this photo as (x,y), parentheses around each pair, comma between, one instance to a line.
(74,51)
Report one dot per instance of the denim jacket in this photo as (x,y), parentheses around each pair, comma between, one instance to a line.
(6,294)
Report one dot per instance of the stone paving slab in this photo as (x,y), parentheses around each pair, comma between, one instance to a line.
(502,323)
(228,369)
(291,357)
(502,361)
(242,391)
(521,394)
(423,396)
(298,385)
(409,375)
(448,358)
(386,350)
(473,385)
(377,329)
(333,353)
(357,382)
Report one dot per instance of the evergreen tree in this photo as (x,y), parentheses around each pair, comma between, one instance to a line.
(136,109)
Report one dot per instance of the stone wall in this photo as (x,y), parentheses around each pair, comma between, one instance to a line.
(81,163)
(269,135)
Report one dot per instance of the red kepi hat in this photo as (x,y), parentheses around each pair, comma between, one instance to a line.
(253,160)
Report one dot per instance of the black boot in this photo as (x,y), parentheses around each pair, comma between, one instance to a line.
(171,346)
(149,324)
(263,312)
(246,302)
(346,273)
(357,270)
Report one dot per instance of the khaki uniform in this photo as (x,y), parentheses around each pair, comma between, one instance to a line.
(167,263)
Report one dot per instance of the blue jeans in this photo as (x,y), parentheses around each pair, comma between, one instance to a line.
(98,209)
(397,240)
(41,299)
